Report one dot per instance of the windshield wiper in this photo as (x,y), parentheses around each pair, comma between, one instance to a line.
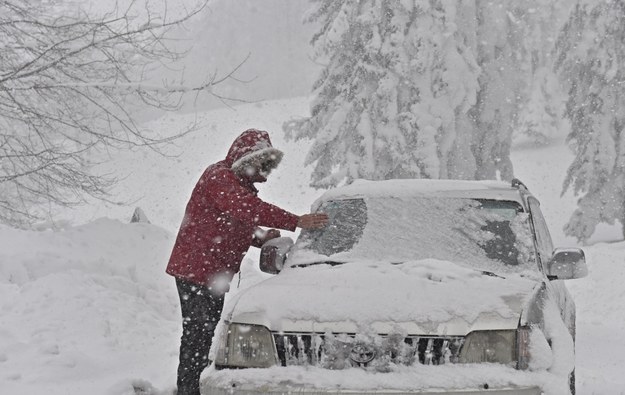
(491,274)
(331,263)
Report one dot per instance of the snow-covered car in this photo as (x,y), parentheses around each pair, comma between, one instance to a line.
(415,286)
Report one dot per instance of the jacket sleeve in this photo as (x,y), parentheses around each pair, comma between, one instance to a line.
(229,196)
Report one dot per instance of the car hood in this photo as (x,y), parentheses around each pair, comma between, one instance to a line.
(426,297)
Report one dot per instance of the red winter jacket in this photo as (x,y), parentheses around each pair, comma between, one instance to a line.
(223,213)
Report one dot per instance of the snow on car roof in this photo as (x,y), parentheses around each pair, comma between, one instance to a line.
(497,190)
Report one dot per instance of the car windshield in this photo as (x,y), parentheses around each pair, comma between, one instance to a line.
(488,235)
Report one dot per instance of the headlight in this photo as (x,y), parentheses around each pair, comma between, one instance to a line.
(490,346)
(246,346)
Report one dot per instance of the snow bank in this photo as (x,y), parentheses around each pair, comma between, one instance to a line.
(86,309)
(600,300)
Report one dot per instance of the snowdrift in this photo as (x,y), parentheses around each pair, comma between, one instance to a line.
(86,309)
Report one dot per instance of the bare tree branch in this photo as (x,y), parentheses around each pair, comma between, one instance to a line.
(69,86)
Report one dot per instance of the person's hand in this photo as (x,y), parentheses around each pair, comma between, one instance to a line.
(313,221)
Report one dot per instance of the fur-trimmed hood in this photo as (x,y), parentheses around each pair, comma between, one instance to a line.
(253,147)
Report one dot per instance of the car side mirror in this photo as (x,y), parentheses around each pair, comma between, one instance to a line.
(273,254)
(567,264)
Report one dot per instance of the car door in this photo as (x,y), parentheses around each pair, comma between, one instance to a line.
(555,289)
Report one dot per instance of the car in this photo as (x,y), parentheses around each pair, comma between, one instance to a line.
(414,287)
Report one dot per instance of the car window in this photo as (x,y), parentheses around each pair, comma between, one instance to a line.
(486,234)
(543,238)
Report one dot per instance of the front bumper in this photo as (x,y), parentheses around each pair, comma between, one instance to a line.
(212,390)
(315,381)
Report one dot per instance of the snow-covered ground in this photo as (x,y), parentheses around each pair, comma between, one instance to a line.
(86,307)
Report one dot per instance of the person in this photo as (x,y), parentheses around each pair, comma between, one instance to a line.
(222,220)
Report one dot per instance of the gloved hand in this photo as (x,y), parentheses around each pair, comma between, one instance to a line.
(262,236)
(272,234)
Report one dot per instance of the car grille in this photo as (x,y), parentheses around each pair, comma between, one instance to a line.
(334,351)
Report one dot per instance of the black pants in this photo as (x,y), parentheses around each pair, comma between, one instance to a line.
(201,311)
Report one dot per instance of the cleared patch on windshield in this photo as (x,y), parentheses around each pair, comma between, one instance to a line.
(500,228)
(347,221)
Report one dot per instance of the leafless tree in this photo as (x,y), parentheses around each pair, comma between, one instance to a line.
(67,86)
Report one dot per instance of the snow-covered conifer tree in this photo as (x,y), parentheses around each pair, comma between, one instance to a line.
(591,61)
(540,117)
(424,89)
(393,100)
(503,84)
